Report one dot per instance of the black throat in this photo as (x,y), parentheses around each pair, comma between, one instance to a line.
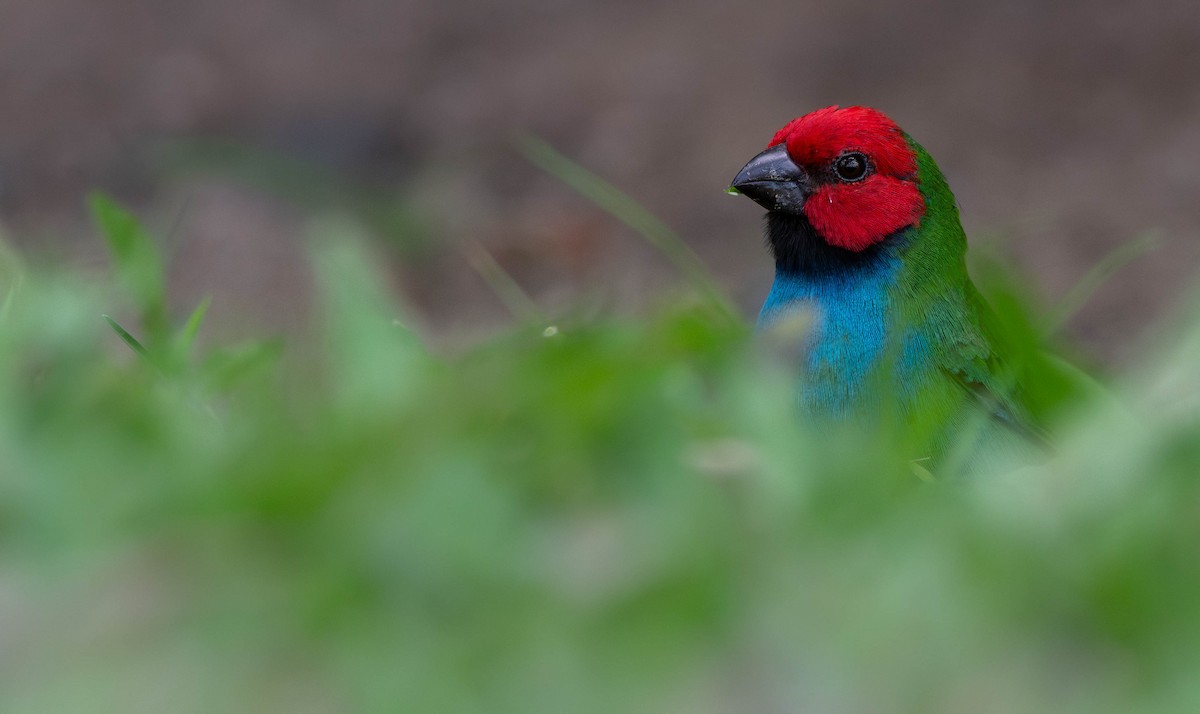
(798,248)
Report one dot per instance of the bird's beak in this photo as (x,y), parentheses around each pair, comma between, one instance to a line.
(774,181)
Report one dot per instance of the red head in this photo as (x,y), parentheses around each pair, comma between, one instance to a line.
(856,181)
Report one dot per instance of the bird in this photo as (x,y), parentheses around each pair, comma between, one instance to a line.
(867,241)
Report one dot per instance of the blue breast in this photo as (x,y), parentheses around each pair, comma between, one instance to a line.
(852,324)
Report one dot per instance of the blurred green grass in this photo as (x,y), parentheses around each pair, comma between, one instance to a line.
(616,514)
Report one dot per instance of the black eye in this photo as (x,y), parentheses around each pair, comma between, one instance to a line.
(851,167)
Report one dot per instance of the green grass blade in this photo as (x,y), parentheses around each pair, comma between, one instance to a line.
(129,339)
(12,273)
(188,335)
(625,209)
(1100,273)
(137,259)
(228,367)
(502,283)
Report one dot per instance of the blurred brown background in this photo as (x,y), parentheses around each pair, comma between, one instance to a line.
(1066,129)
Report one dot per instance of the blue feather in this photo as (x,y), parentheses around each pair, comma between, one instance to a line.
(852,315)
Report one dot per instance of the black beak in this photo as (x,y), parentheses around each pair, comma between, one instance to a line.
(774,181)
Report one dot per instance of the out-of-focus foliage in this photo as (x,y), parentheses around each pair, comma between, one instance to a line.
(590,515)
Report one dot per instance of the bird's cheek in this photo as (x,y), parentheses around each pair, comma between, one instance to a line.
(857,216)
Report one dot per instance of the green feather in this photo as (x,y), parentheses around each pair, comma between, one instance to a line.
(986,387)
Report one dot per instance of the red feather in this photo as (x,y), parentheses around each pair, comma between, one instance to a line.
(855,215)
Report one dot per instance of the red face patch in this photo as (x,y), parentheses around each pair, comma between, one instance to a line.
(855,214)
